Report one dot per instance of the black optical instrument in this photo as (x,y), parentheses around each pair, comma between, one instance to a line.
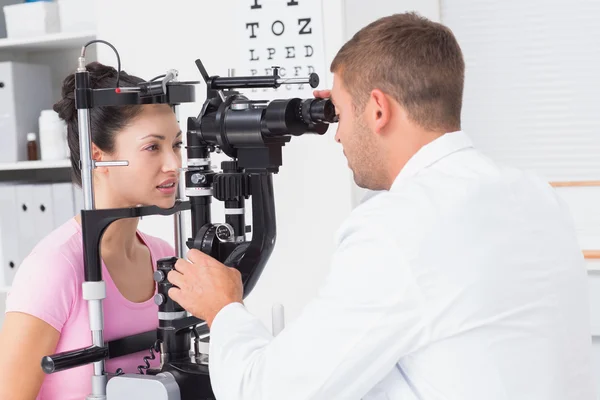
(252,134)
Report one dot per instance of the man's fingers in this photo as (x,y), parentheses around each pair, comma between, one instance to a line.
(198,257)
(323,94)
(194,255)
(174,294)
(175,278)
(182,266)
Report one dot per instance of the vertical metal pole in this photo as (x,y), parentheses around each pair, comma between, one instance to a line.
(93,292)
(178,217)
(179,227)
(85,148)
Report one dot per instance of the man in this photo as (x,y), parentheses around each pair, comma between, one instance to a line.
(461,280)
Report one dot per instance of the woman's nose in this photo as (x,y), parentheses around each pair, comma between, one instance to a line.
(172,161)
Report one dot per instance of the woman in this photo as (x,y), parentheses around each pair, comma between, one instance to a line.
(45,312)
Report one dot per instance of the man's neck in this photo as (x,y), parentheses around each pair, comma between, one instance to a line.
(405,150)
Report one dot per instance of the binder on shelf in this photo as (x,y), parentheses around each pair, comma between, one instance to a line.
(10,257)
(27,225)
(63,203)
(42,212)
(28,213)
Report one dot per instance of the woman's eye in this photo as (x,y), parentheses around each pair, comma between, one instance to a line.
(178,145)
(152,147)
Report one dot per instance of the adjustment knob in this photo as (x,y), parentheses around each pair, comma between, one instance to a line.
(229,166)
(198,178)
(159,299)
(159,276)
(231,186)
(224,232)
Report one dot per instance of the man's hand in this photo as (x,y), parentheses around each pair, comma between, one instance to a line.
(204,285)
(322,94)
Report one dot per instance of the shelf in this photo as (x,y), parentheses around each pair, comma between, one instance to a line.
(36,171)
(39,164)
(51,41)
(593,267)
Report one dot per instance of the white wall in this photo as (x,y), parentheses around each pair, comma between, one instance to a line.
(530,100)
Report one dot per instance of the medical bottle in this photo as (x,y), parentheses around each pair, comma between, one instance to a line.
(32,150)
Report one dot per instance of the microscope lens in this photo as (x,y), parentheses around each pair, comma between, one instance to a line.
(322,110)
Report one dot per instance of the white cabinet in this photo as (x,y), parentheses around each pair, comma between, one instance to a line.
(44,188)
(28,213)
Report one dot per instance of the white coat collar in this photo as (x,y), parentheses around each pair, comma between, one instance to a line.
(432,152)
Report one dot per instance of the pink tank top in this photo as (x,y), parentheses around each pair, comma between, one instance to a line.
(47,285)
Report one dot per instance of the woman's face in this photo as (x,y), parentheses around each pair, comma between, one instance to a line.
(152,144)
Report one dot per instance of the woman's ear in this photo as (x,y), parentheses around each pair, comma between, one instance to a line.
(98,155)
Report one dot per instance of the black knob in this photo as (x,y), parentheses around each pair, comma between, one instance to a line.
(313,80)
(231,186)
(159,276)
(229,166)
(42,207)
(159,299)
(1,85)
(24,207)
(11,264)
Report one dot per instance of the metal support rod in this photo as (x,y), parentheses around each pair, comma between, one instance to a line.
(179,226)
(87,166)
(94,306)
(110,163)
(178,217)
(295,81)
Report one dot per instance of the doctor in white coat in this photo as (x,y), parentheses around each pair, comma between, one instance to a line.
(461,280)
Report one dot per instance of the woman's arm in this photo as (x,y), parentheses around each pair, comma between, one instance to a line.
(25,341)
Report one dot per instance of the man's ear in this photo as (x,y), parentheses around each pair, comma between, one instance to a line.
(379,111)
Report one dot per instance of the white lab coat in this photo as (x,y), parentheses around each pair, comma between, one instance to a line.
(464,281)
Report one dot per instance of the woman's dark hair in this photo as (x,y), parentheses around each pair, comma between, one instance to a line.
(106,121)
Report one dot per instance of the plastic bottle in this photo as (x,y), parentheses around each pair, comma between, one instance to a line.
(53,130)
(32,150)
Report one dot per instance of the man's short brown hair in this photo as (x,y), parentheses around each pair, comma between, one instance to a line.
(416,61)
